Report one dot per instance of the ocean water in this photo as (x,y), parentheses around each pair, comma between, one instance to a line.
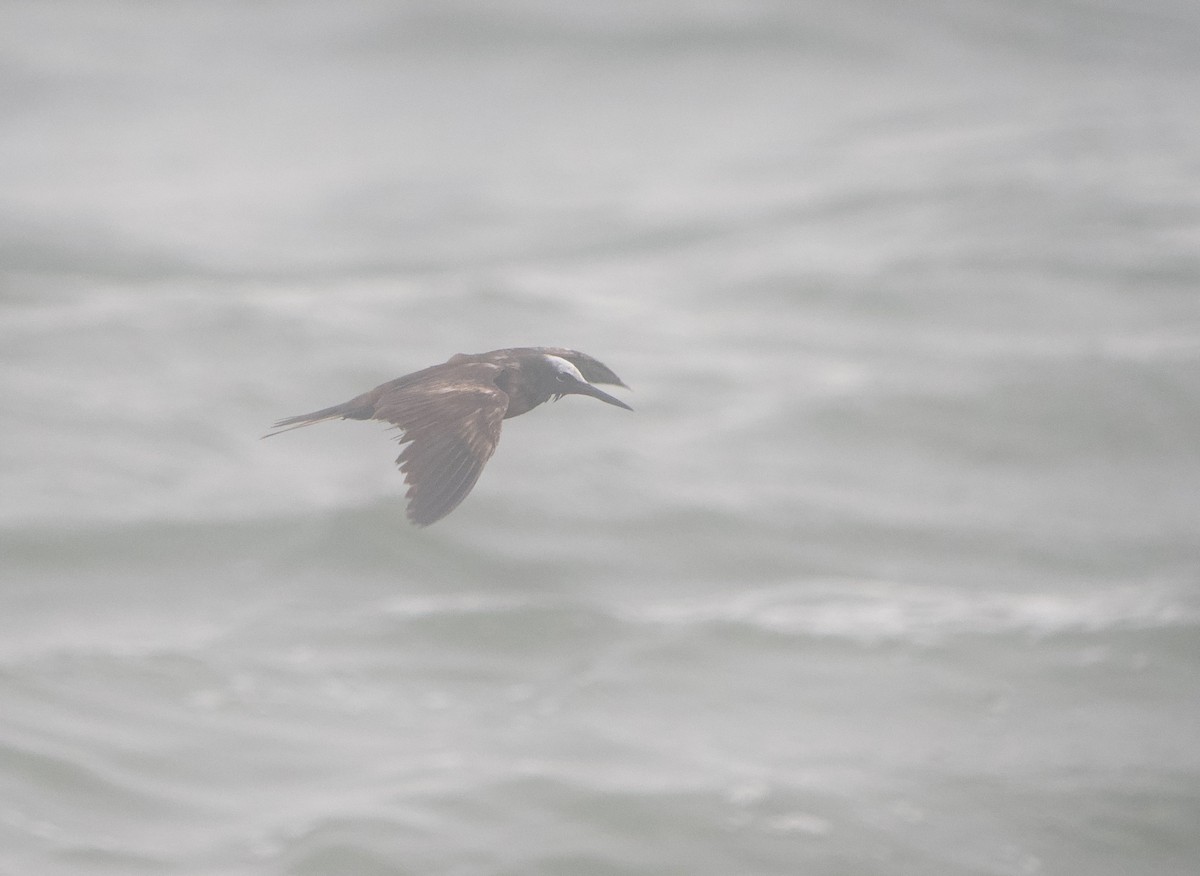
(894,570)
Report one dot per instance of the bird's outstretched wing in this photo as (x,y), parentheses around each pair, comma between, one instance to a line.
(451,423)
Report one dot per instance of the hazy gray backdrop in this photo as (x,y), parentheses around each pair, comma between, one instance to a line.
(895,569)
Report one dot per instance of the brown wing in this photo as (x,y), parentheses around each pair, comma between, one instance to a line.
(451,423)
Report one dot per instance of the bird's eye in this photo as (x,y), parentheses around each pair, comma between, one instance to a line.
(562,377)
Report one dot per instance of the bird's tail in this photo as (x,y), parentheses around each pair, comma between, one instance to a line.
(351,409)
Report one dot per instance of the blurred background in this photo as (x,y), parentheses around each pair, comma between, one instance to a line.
(895,569)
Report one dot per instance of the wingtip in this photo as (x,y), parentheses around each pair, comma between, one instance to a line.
(422,522)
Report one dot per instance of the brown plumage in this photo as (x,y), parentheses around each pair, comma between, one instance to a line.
(450,414)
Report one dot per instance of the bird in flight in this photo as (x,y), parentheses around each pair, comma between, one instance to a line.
(450,414)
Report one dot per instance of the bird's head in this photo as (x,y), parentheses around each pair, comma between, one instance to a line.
(565,379)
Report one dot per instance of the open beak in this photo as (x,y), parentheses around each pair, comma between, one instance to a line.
(581,388)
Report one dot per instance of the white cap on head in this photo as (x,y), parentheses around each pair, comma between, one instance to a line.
(562,365)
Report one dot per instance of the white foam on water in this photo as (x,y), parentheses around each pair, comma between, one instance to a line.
(461,604)
(882,611)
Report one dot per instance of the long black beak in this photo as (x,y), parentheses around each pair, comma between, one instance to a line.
(581,388)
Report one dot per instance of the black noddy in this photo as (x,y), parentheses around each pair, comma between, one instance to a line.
(450,414)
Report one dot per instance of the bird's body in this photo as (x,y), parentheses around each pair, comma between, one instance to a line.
(450,414)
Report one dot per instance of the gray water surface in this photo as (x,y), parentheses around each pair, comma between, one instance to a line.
(895,569)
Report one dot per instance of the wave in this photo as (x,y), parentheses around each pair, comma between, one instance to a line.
(862,612)
(885,611)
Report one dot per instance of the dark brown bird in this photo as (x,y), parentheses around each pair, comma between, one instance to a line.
(450,414)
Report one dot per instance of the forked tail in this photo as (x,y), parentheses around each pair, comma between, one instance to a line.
(352,410)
